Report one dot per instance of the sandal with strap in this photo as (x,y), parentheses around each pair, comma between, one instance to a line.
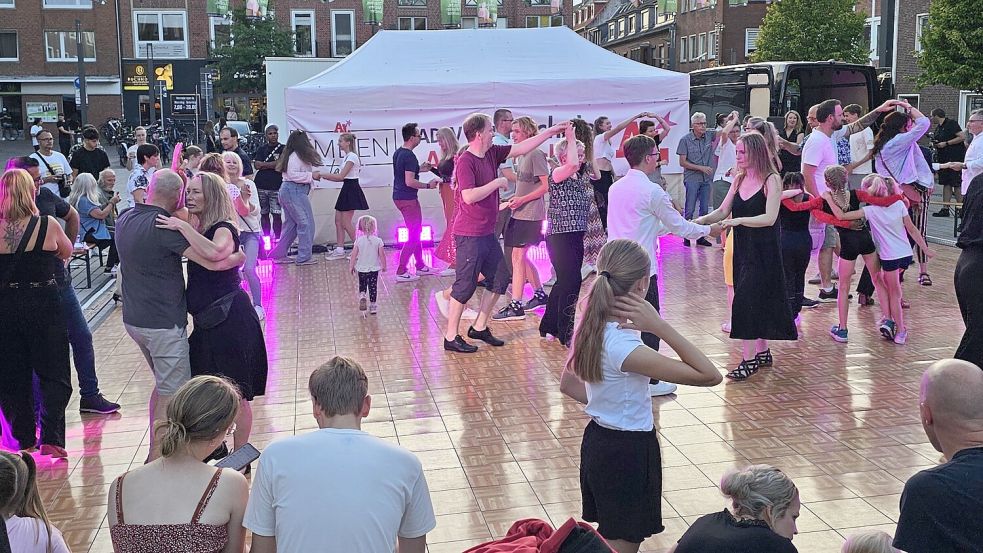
(744,370)
(764,358)
(924,279)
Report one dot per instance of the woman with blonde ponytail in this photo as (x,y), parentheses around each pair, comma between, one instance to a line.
(22,512)
(608,370)
(177,502)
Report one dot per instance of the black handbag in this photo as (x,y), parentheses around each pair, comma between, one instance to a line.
(216,312)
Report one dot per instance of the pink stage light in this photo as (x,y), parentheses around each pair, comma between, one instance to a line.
(267,243)
(403,235)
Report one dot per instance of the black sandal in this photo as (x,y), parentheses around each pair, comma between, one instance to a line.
(924,279)
(764,358)
(744,370)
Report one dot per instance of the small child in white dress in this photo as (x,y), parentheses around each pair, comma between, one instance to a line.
(368,258)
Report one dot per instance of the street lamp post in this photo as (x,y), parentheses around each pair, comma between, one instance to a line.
(80,56)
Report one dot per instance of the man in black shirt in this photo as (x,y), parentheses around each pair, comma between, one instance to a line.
(89,158)
(942,507)
(950,145)
(268,180)
(230,143)
(79,336)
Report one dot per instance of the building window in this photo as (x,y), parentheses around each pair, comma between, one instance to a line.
(703,45)
(413,3)
(342,32)
(682,49)
(662,56)
(611,31)
(60,45)
(913,99)
(683,6)
(872,29)
(694,54)
(646,19)
(8,46)
(70,4)
(166,31)
(537,21)
(302,23)
(712,45)
(621,28)
(6,3)
(469,22)
(412,23)
(921,22)
(474,3)
(220,30)
(750,41)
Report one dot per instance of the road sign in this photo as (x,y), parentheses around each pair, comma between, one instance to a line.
(78,83)
(184,104)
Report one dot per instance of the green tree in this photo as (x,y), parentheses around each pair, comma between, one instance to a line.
(251,40)
(952,46)
(812,30)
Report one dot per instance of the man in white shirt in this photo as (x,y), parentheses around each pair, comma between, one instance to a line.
(726,153)
(818,153)
(54,165)
(973,162)
(339,488)
(861,147)
(641,210)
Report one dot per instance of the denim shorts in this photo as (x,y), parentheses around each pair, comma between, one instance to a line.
(896,264)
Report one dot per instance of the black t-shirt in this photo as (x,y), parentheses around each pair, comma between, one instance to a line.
(949,130)
(268,179)
(722,533)
(942,507)
(50,204)
(91,162)
(63,125)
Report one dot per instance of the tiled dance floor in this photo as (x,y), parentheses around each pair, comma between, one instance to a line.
(498,440)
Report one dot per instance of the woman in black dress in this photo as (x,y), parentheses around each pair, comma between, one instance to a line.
(761,517)
(791,132)
(758,313)
(228,338)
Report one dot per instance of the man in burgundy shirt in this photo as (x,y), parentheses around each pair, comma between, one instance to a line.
(478,250)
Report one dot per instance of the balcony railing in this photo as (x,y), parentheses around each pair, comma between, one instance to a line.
(413,3)
(474,3)
(535,3)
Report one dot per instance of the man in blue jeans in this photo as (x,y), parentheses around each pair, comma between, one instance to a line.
(695,152)
(79,335)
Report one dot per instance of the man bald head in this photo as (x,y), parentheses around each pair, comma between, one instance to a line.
(951,406)
(166,190)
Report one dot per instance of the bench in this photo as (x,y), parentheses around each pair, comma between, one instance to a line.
(956,208)
(83,254)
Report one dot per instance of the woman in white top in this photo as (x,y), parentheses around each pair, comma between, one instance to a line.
(609,370)
(297,164)
(368,258)
(22,510)
(351,198)
(604,153)
(245,199)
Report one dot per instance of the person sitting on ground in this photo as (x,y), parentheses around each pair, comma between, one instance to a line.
(339,485)
(941,506)
(760,519)
(871,541)
(152,512)
(27,526)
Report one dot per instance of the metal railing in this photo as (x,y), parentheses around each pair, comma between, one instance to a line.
(413,3)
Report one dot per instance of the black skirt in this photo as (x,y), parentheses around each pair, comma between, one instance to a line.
(235,349)
(351,197)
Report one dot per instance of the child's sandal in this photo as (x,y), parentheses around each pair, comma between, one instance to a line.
(924,279)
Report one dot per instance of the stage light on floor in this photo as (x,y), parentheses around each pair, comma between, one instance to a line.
(267,243)
(403,235)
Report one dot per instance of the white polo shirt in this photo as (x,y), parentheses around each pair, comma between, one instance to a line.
(621,400)
(973,161)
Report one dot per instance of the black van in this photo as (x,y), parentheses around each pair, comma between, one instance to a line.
(771,89)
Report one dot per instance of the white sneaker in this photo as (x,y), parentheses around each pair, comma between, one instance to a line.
(663,388)
(426,271)
(550,282)
(406,277)
(260,312)
(443,304)
(469,314)
(449,271)
(725,328)
(337,253)
(586,270)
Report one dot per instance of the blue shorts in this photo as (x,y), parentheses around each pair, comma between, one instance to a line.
(895,264)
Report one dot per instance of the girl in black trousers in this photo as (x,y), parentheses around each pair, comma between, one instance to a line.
(969,268)
(796,240)
(569,186)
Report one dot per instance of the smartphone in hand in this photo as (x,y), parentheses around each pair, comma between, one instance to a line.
(239,458)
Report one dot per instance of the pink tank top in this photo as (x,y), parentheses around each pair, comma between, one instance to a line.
(193,537)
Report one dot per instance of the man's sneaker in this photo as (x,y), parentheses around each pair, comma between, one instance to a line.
(311,261)
(485,336)
(687,244)
(901,338)
(337,253)
(459,345)
(838,334)
(282,260)
(97,404)
(373,308)
(828,297)
(815,279)
(662,388)
(704,242)
(944,212)
(887,329)
(809,303)
(538,299)
(406,277)
(260,312)
(426,271)
(511,312)
(362,302)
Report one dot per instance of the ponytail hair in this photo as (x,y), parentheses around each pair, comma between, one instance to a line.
(879,186)
(760,492)
(620,265)
(19,495)
(202,409)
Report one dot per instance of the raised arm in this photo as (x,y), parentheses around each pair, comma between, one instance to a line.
(530,144)
(624,124)
(572,164)
(221,247)
(663,126)
(870,118)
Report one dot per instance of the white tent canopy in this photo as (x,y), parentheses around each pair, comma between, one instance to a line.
(437,78)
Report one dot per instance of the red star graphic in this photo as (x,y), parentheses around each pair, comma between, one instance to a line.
(668,119)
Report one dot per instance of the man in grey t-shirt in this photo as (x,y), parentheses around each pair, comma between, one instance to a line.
(695,152)
(155,313)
